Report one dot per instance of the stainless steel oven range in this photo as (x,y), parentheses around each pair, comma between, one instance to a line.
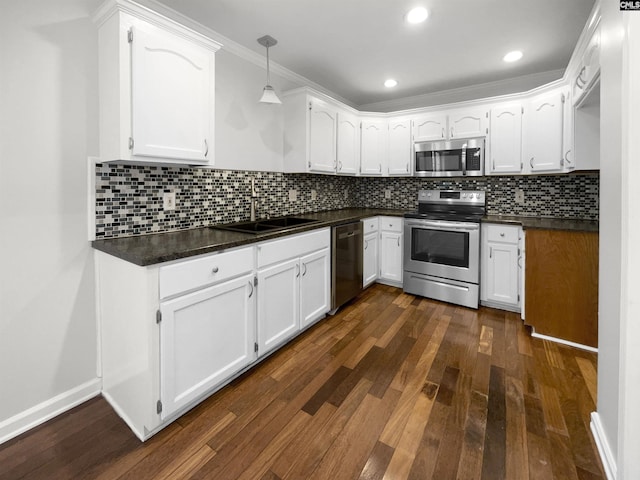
(442,246)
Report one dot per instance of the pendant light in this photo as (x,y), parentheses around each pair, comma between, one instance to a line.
(268,94)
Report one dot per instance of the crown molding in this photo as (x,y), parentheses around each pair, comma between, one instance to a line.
(514,85)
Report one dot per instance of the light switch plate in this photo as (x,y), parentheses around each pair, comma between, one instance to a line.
(169,201)
(387,194)
(314,195)
(293,195)
(519,196)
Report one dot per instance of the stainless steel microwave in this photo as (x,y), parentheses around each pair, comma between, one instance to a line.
(449,158)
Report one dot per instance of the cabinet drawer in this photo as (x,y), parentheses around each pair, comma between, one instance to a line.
(293,246)
(191,274)
(501,233)
(370,225)
(391,224)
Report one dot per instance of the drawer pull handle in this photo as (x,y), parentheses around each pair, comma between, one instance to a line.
(251,285)
(214,270)
(305,269)
(297,271)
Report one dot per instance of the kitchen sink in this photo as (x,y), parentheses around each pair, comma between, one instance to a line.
(265,225)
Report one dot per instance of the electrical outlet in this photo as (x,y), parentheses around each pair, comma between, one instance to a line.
(346,193)
(519,196)
(387,193)
(169,201)
(293,195)
(314,195)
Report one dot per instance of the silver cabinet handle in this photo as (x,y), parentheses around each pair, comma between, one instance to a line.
(442,132)
(493,167)
(214,270)
(206,146)
(398,240)
(451,131)
(531,162)
(339,166)
(566,156)
(297,270)
(380,167)
(520,261)
(407,167)
(366,244)
(502,234)
(490,252)
(251,285)
(305,269)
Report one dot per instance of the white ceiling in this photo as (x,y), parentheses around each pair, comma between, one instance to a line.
(351,46)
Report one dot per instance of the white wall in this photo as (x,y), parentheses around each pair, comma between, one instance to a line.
(249,134)
(48,127)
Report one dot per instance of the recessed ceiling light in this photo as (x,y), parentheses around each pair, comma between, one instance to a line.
(512,56)
(390,83)
(417,15)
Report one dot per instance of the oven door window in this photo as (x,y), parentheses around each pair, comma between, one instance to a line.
(440,246)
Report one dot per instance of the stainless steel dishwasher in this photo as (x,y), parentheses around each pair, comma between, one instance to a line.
(346,263)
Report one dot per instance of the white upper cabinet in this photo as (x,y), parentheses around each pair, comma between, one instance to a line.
(459,123)
(430,127)
(157,84)
(589,68)
(468,122)
(505,142)
(323,119)
(348,149)
(399,160)
(373,150)
(542,126)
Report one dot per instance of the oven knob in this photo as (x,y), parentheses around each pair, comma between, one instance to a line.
(464,195)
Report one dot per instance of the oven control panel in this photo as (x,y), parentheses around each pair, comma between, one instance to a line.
(459,197)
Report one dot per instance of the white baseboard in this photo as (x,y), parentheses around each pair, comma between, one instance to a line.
(34,416)
(606,455)
(563,342)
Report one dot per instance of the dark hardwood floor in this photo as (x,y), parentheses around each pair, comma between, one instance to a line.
(393,387)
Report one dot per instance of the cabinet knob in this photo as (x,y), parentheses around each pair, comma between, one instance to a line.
(502,234)
(214,270)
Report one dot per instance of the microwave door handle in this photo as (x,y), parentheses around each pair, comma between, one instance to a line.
(464,159)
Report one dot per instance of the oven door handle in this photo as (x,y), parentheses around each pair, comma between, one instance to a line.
(467,227)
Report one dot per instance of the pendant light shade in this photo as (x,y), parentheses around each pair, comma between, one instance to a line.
(268,93)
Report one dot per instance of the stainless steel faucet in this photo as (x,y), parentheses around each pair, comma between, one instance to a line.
(254,199)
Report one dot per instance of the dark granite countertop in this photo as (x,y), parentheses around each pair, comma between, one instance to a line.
(570,224)
(156,248)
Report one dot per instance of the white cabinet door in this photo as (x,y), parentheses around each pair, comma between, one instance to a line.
(467,123)
(315,286)
(428,128)
(391,256)
(278,304)
(370,258)
(322,136)
(502,271)
(373,151)
(205,337)
(348,150)
(400,148)
(172,96)
(542,127)
(505,142)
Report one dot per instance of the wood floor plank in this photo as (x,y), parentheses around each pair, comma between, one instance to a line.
(377,462)
(470,463)
(392,386)
(494,457)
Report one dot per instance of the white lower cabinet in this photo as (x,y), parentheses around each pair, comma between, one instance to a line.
(391,245)
(278,304)
(315,286)
(293,286)
(205,337)
(172,334)
(370,258)
(500,285)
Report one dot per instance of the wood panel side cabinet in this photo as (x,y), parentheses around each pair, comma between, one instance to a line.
(561,285)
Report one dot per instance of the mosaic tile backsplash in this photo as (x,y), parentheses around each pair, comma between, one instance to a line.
(129,198)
